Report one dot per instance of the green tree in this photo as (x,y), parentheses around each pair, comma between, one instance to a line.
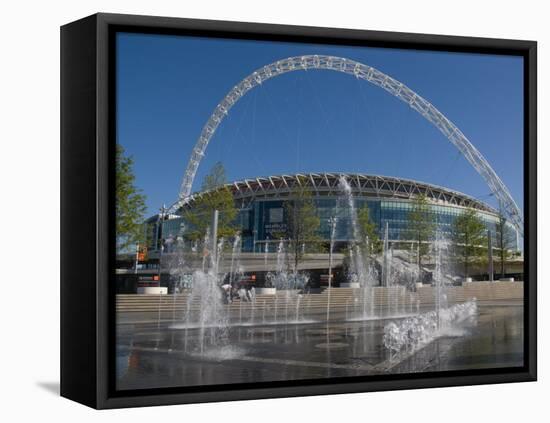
(130,203)
(503,241)
(368,230)
(421,226)
(469,237)
(215,196)
(302,225)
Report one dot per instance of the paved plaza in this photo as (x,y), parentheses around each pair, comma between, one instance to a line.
(157,354)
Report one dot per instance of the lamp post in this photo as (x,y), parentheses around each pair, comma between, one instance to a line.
(385,267)
(137,258)
(214,240)
(332,222)
(490,253)
(159,235)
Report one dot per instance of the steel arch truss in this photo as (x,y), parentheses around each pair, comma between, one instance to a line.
(374,76)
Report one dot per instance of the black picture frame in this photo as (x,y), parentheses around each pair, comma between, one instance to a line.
(87,208)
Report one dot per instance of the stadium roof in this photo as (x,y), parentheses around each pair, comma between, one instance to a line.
(362,185)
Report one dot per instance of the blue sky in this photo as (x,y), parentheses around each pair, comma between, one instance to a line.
(313,121)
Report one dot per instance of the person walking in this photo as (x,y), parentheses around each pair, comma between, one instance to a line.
(252,292)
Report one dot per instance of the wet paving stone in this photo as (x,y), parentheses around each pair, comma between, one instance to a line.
(156,357)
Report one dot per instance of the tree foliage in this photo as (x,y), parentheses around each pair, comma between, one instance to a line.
(303,225)
(421,226)
(216,196)
(469,237)
(130,203)
(368,230)
(503,241)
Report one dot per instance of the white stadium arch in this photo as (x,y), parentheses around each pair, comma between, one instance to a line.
(369,74)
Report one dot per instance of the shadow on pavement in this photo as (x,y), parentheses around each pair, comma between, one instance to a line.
(51,387)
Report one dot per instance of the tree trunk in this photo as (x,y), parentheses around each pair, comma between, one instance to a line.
(502,256)
(419,256)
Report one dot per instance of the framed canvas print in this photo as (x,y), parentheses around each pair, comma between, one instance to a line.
(255,211)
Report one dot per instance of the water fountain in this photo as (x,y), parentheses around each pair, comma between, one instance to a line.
(413,333)
(205,252)
(289,283)
(440,247)
(357,260)
(211,334)
(266,251)
(207,321)
(297,314)
(363,273)
(386,264)
(235,268)
(414,274)
(333,220)
(205,311)
(211,316)
(219,253)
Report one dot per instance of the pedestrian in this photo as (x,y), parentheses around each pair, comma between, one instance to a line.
(227,293)
(252,294)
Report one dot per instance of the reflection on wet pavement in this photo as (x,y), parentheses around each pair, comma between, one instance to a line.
(151,356)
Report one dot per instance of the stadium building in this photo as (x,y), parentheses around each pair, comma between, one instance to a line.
(262,219)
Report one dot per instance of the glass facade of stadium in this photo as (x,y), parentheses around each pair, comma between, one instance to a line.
(262,216)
